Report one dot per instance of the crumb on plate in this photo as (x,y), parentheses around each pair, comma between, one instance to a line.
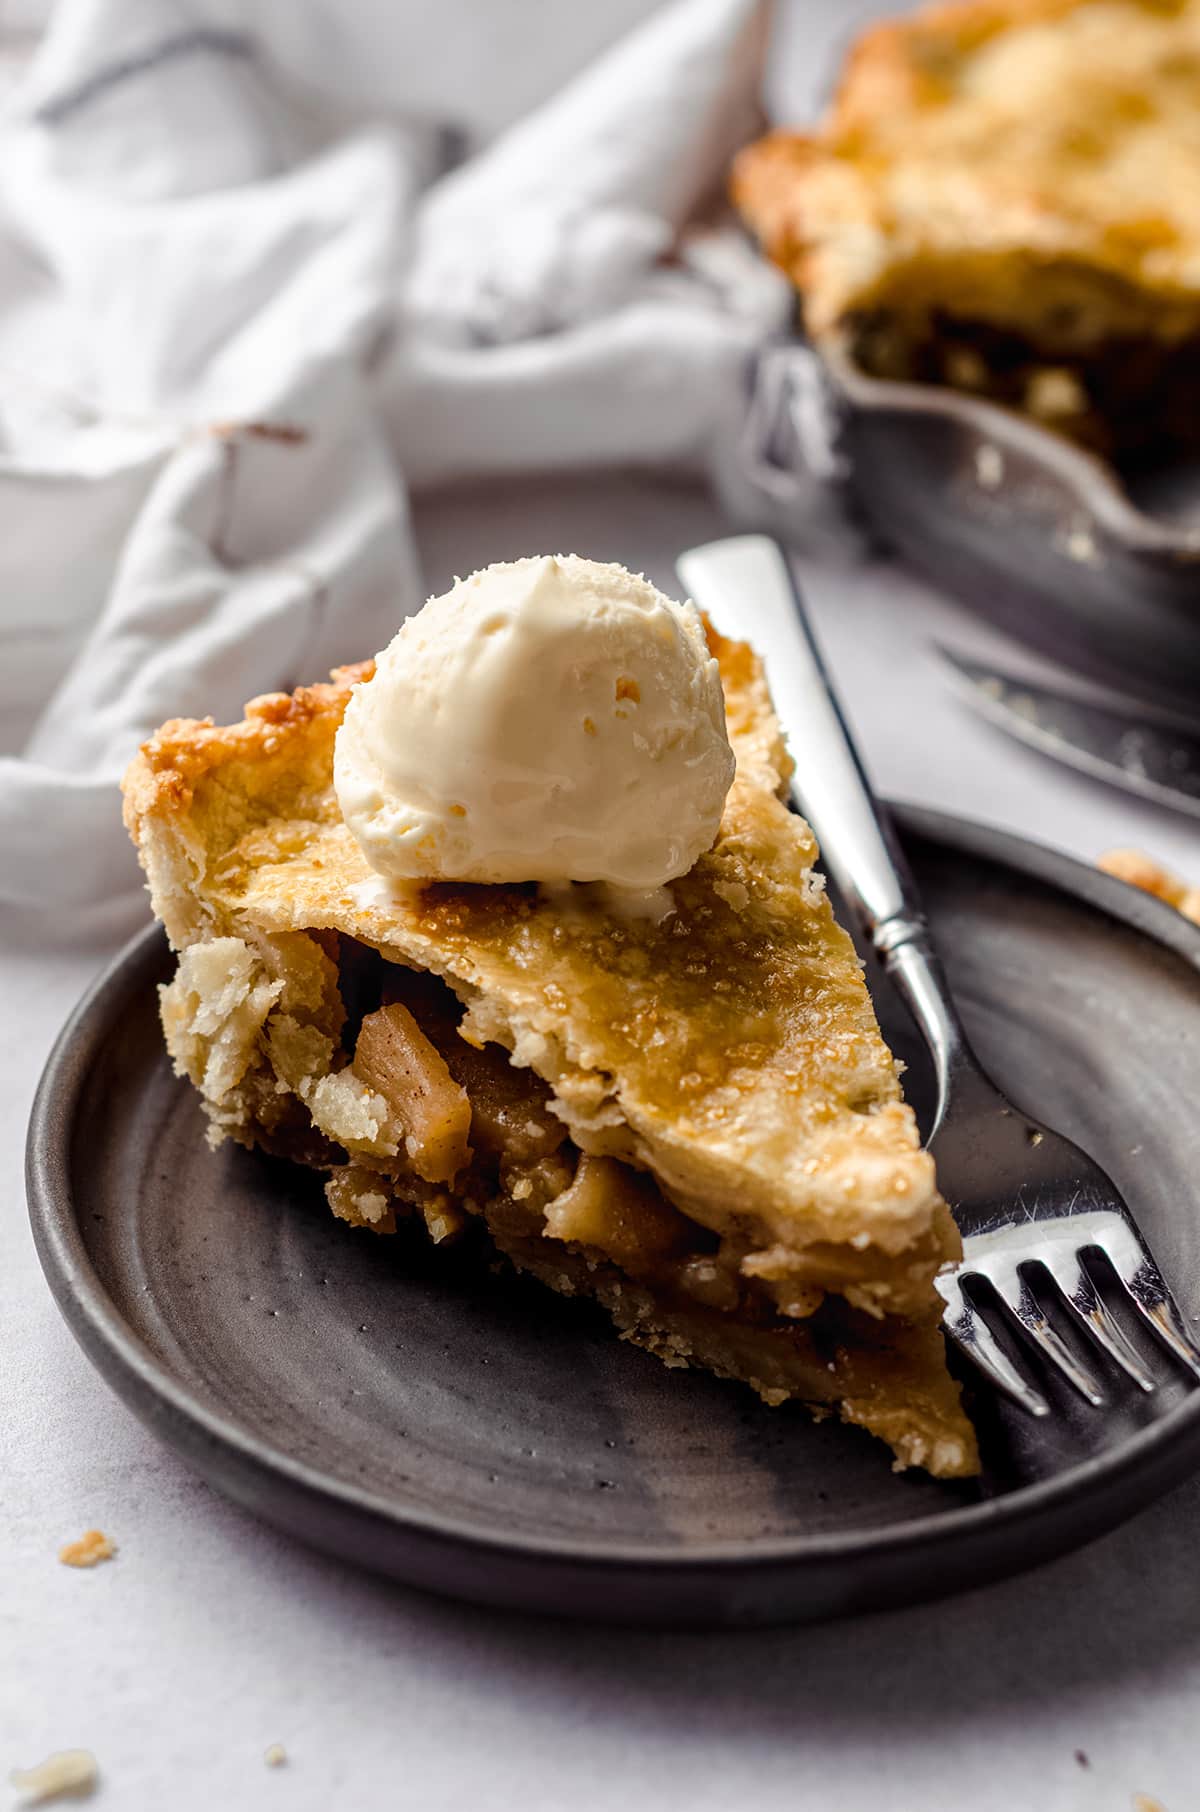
(275,1755)
(92,1547)
(67,1774)
(1141,870)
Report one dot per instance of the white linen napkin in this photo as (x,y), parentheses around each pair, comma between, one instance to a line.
(235,328)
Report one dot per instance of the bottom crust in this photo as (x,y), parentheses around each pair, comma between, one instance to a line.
(889,1379)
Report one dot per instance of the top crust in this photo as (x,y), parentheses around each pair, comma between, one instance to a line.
(732,1050)
(1034,164)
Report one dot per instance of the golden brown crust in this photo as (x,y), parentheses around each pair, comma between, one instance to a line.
(1032,164)
(732,1050)
(162,777)
(910,63)
(274,765)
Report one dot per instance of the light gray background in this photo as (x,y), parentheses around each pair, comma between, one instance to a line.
(210,1637)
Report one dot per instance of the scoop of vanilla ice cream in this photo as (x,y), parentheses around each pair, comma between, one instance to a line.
(549,719)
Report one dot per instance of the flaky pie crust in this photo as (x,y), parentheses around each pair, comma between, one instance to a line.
(728,1056)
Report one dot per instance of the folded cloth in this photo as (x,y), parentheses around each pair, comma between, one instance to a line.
(235,329)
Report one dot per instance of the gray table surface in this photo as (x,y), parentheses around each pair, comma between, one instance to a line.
(211,1637)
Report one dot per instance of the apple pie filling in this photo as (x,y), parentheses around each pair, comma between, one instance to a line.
(1133,398)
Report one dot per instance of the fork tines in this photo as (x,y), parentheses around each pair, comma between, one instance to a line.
(1010,1266)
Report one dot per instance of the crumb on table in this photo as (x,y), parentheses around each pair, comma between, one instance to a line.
(67,1774)
(275,1755)
(91,1548)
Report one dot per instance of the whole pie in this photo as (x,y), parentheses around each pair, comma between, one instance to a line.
(693,1119)
(1005,197)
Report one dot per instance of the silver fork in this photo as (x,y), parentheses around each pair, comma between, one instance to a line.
(1041,1222)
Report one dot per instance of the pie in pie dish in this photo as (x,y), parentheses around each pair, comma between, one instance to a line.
(1005,198)
(693,1119)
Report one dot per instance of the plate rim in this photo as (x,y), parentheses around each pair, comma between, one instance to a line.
(1132,1474)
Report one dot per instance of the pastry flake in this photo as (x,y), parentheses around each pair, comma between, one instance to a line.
(91,1548)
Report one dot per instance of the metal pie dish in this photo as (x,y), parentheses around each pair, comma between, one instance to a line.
(1025,526)
(414,1412)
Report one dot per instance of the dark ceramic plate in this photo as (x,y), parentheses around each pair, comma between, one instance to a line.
(1026,528)
(415,1413)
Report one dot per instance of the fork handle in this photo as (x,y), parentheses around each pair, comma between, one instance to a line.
(746,585)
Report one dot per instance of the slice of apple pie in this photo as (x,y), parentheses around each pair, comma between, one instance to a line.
(692,1118)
